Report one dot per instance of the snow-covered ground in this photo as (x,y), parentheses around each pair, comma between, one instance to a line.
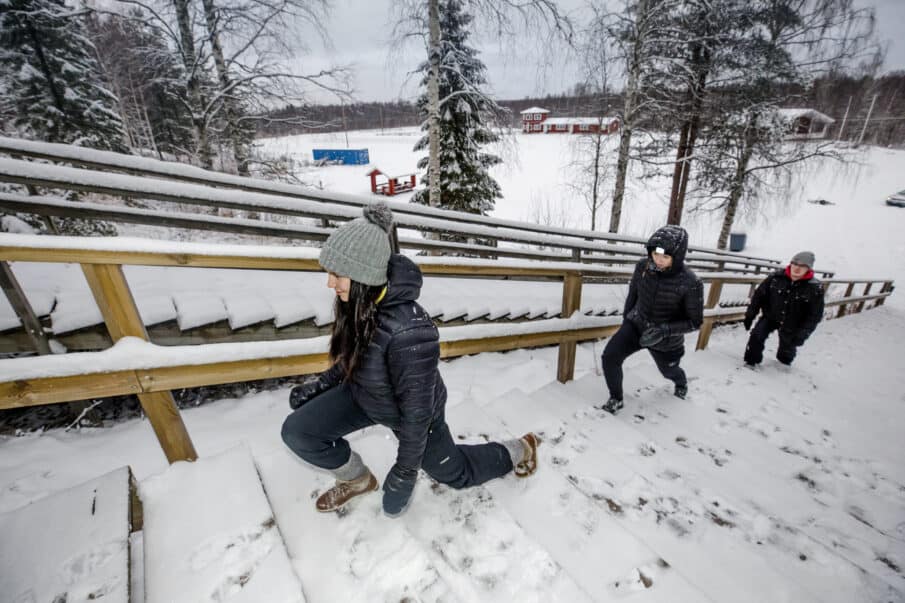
(766,485)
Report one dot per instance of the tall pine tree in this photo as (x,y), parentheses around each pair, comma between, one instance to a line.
(465,184)
(55,87)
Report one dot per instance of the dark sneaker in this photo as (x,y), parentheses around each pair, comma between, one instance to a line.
(342,492)
(681,391)
(613,405)
(528,464)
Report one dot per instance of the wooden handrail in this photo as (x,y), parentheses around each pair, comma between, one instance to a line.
(102,261)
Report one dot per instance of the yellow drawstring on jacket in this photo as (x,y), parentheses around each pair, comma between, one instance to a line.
(381,296)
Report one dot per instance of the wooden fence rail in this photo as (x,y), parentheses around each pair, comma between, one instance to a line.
(103,270)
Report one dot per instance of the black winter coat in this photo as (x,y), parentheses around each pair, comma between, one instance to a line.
(795,306)
(673,298)
(397,382)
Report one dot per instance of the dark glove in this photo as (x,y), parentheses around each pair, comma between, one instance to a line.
(304,392)
(397,490)
(747,322)
(653,335)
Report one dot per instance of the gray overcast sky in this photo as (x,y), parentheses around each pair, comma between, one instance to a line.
(360,33)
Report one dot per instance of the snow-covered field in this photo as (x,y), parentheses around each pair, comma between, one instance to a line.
(766,485)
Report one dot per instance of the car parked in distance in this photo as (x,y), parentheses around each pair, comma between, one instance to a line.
(897,199)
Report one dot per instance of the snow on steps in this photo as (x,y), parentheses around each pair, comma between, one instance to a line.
(210,535)
(448,546)
(69,546)
(717,502)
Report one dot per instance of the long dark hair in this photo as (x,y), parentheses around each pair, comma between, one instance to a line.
(354,325)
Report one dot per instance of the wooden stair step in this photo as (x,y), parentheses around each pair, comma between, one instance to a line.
(210,535)
(72,545)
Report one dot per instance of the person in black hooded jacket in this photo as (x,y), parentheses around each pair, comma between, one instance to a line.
(791,301)
(665,301)
(385,353)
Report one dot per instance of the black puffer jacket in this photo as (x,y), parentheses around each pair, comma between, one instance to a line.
(796,306)
(397,382)
(673,297)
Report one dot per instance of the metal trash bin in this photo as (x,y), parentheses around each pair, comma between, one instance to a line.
(737,241)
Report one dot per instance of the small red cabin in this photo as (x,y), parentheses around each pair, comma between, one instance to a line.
(390,185)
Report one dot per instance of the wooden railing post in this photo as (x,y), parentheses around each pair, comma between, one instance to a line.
(866,292)
(113,297)
(23,309)
(571,302)
(887,287)
(848,293)
(713,299)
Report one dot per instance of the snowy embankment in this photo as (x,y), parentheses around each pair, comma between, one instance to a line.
(766,485)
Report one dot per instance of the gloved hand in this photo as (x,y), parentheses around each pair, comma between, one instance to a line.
(653,335)
(304,392)
(397,490)
(747,322)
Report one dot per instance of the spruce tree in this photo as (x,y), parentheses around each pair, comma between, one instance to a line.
(55,86)
(465,184)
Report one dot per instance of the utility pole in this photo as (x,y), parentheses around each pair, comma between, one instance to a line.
(867,119)
(844,119)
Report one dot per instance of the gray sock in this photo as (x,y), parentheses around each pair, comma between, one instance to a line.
(516,449)
(353,469)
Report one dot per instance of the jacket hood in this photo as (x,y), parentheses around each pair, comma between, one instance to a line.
(674,242)
(404,281)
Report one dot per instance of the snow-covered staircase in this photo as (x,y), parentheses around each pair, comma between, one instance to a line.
(70,546)
(210,535)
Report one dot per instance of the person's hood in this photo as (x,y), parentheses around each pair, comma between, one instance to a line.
(807,275)
(674,242)
(404,281)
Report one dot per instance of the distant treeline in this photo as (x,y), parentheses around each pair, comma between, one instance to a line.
(828,95)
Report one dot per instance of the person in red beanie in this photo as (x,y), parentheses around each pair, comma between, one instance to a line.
(791,302)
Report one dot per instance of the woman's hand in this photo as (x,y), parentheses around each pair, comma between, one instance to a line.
(397,490)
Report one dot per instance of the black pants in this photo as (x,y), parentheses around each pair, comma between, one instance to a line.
(754,352)
(315,433)
(625,343)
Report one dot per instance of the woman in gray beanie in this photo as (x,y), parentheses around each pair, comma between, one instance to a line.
(385,353)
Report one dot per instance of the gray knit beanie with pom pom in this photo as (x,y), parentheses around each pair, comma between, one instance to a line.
(360,249)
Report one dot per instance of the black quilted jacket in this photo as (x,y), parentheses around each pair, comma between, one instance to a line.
(673,297)
(796,306)
(397,382)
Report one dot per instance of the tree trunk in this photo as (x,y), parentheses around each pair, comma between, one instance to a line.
(700,60)
(598,142)
(433,90)
(233,130)
(628,118)
(189,59)
(738,182)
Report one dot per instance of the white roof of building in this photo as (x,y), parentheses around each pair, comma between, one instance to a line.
(534,110)
(792,114)
(580,121)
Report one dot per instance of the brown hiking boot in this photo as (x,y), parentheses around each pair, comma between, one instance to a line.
(344,491)
(528,464)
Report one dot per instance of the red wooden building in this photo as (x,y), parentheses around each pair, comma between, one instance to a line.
(536,120)
(390,185)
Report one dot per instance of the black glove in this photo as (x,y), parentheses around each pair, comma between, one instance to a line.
(747,322)
(653,335)
(397,490)
(304,392)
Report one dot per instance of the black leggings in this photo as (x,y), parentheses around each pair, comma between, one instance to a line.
(315,433)
(625,343)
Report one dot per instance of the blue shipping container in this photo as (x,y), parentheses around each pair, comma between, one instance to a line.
(343,156)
